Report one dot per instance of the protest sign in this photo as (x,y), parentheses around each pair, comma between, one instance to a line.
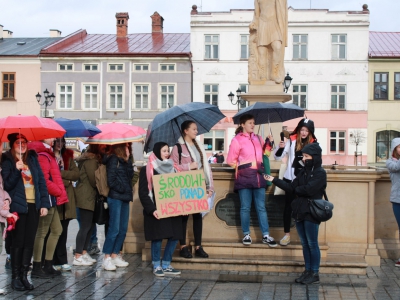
(180,193)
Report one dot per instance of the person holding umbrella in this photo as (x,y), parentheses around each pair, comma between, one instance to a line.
(298,139)
(189,154)
(24,181)
(246,156)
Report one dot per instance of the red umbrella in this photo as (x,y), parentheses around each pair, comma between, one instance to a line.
(32,127)
(117,133)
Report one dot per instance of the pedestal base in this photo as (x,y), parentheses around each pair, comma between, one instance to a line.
(266,92)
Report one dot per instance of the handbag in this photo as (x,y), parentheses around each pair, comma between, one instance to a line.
(278,191)
(101,213)
(321,209)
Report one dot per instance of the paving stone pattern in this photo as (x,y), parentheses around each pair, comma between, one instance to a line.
(138,282)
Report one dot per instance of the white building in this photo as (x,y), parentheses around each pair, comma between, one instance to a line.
(327,56)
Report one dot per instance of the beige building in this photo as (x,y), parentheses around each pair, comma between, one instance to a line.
(20,74)
(384,94)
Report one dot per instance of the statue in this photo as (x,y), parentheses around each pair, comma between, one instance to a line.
(268,39)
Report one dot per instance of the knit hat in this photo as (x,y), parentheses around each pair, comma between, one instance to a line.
(309,124)
(12,137)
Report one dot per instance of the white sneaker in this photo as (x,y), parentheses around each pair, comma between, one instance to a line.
(108,264)
(87,257)
(285,240)
(81,261)
(118,261)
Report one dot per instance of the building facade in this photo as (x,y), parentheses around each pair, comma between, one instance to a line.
(125,77)
(384,94)
(327,57)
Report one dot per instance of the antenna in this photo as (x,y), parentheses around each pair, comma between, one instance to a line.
(201,5)
(310,4)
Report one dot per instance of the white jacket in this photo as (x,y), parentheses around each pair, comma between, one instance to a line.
(290,149)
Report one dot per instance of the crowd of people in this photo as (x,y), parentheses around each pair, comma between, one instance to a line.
(43,188)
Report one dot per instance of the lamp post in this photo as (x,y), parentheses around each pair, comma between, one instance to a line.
(239,100)
(287,82)
(48,100)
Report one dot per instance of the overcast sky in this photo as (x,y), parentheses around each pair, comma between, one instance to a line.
(34,18)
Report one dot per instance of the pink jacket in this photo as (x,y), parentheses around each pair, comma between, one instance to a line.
(3,196)
(246,156)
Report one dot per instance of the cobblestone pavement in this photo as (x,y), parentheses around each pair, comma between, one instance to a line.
(138,282)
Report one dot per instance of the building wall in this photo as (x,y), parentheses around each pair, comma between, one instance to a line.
(27,85)
(318,72)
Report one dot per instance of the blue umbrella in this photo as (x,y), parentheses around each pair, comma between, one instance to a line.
(275,112)
(166,125)
(77,128)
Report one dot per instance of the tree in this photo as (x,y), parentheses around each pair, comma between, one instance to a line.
(357,137)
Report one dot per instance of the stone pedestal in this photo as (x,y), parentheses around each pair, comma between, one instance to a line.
(266,92)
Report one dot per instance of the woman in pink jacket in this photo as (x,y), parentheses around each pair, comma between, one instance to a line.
(245,155)
(191,156)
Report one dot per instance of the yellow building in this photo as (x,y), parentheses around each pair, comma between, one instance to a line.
(384,94)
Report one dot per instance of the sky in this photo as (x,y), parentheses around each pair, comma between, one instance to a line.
(34,18)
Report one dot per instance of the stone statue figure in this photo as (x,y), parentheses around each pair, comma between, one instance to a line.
(268,39)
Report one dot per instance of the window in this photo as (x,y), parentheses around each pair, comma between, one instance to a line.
(338,97)
(339,46)
(214,140)
(167,67)
(397,86)
(211,94)
(116,67)
(141,96)
(300,95)
(115,96)
(8,85)
(90,92)
(337,141)
(139,67)
(90,67)
(167,95)
(244,88)
(300,46)
(211,47)
(244,46)
(381,86)
(65,93)
(383,140)
(65,67)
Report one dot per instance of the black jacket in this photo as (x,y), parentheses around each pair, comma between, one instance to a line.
(14,184)
(156,229)
(309,184)
(119,178)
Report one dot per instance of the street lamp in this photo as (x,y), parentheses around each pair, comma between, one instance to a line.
(48,100)
(239,100)
(287,82)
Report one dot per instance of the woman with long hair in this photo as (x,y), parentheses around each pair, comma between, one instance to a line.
(85,195)
(309,184)
(393,166)
(119,179)
(298,139)
(156,229)
(191,156)
(24,181)
(245,156)
(66,211)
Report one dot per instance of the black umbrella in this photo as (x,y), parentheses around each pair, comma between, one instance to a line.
(264,113)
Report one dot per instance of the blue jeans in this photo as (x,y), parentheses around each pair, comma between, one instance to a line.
(396,211)
(93,238)
(118,225)
(246,198)
(168,252)
(308,233)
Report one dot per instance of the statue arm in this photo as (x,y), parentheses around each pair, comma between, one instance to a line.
(254,23)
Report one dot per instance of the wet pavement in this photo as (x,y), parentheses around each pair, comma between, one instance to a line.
(138,282)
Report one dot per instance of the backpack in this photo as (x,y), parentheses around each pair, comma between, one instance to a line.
(101,180)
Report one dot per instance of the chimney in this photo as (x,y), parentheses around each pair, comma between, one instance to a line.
(122,24)
(7,34)
(55,33)
(194,10)
(156,23)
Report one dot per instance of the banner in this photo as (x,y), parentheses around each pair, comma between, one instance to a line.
(181,193)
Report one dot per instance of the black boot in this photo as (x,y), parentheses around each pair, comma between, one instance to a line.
(16,258)
(311,278)
(48,268)
(38,272)
(26,261)
(302,276)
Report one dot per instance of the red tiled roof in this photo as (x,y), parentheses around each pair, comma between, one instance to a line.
(139,44)
(384,44)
